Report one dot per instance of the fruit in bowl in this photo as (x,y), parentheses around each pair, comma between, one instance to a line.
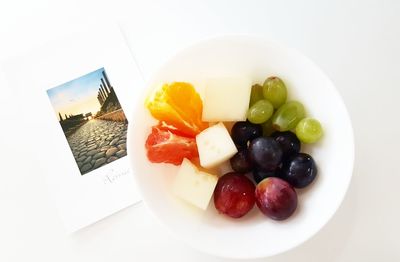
(276,198)
(187,131)
(234,195)
(254,234)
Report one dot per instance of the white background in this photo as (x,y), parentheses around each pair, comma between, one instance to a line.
(357,43)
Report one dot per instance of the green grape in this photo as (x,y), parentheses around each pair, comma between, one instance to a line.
(267,127)
(309,130)
(256,94)
(288,116)
(260,112)
(274,90)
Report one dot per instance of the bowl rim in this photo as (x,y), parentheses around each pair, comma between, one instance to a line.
(260,39)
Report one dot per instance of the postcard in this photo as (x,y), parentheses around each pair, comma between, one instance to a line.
(92,120)
(82,87)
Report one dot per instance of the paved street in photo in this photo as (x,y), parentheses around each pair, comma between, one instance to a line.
(97,143)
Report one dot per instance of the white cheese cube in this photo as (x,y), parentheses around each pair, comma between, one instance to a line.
(194,186)
(226,99)
(215,146)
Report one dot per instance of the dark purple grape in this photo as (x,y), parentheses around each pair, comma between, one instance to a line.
(243,132)
(288,141)
(299,170)
(259,174)
(241,162)
(266,153)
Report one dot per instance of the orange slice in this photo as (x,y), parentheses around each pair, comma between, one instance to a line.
(178,105)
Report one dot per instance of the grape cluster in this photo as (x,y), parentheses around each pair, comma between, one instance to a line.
(269,145)
(277,155)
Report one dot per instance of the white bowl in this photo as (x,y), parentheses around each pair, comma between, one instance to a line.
(254,235)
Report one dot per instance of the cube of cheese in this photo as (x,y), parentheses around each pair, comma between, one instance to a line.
(215,146)
(226,99)
(194,186)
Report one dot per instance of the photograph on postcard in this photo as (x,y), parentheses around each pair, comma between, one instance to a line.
(92,119)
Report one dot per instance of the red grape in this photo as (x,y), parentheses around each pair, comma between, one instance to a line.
(234,195)
(276,198)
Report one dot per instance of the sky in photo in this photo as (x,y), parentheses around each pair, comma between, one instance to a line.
(78,96)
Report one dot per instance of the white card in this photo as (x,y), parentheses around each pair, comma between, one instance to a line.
(81,91)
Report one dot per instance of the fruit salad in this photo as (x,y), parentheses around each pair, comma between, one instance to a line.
(256,130)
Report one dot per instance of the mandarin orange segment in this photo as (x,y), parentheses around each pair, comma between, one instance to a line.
(178,105)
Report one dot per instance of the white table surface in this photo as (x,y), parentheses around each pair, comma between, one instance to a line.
(357,43)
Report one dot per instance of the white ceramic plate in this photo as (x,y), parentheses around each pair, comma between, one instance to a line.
(254,235)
